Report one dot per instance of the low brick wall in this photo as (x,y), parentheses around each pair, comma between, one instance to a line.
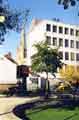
(4,87)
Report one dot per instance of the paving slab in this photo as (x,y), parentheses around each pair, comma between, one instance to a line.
(8,103)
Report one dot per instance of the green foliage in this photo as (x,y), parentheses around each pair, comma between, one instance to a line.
(75,76)
(13,19)
(45,59)
(69,73)
(67,3)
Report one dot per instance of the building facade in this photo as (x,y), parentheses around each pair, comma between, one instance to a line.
(7,72)
(65,37)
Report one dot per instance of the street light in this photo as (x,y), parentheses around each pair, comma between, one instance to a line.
(2,19)
(9,19)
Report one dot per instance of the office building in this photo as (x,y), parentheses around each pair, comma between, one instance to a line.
(59,35)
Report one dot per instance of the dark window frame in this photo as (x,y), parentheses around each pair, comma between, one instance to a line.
(54,28)
(71,31)
(60,29)
(48,27)
(72,56)
(60,42)
(54,41)
(77,56)
(48,40)
(72,43)
(66,43)
(66,30)
(77,33)
(61,55)
(77,44)
(66,56)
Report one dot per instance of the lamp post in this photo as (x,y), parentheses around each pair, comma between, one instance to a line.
(2,19)
(10,19)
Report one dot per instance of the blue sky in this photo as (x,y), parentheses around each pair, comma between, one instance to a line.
(41,9)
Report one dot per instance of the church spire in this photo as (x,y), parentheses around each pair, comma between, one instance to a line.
(21,50)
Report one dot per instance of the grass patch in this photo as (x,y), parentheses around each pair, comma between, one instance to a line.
(53,114)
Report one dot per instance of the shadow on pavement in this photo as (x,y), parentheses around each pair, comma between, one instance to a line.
(5,113)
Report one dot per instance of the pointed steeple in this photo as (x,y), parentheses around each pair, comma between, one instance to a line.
(23,42)
(21,50)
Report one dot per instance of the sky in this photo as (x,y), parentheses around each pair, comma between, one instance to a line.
(39,9)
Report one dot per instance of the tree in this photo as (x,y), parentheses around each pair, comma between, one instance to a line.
(70,74)
(76,76)
(67,74)
(67,3)
(46,59)
(10,19)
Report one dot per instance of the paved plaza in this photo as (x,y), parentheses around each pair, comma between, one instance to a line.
(7,105)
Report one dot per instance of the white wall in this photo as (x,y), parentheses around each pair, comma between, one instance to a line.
(7,71)
(34,36)
(38,33)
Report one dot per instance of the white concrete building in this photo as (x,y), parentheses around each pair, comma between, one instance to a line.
(7,73)
(57,34)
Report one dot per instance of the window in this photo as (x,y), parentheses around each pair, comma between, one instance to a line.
(71,31)
(48,40)
(72,43)
(60,29)
(77,32)
(66,30)
(54,41)
(61,55)
(48,27)
(60,42)
(77,56)
(72,56)
(66,56)
(54,28)
(66,43)
(77,44)
(34,79)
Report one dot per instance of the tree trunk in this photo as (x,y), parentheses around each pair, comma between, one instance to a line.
(47,87)
(24,86)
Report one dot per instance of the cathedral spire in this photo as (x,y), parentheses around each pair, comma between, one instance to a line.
(21,50)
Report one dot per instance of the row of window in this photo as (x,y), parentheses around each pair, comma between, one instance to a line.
(61,30)
(53,41)
(72,56)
